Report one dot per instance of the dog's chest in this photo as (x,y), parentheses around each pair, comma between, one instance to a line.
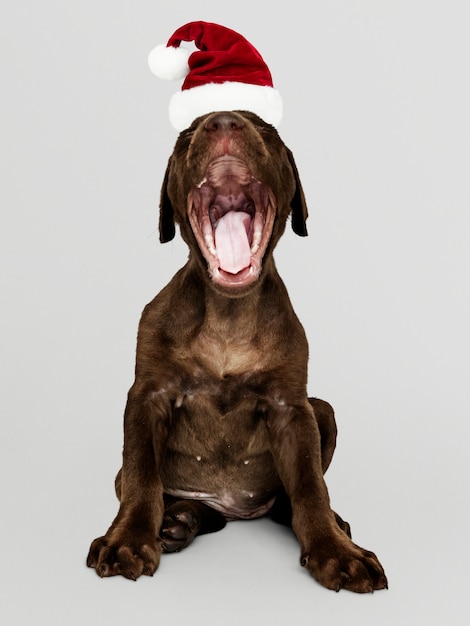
(227,354)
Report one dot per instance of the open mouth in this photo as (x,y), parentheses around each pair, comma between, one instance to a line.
(232,216)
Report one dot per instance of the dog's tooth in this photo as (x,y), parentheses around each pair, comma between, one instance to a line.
(258,222)
(210,244)
(257,233)
(206,229)
(255,243)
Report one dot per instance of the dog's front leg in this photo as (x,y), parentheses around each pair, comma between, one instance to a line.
(131,546)
(326,551)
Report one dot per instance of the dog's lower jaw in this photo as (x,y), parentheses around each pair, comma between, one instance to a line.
(242,279)
(236,286)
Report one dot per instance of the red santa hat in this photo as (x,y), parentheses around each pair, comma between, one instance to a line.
(225,73)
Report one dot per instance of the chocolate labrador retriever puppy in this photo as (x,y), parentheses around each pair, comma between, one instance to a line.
(218,425)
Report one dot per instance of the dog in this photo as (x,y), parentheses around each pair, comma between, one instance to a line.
(218,425)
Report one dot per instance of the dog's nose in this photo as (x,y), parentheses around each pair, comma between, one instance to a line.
(224,122)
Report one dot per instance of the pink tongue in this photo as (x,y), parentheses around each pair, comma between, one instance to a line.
(231,241)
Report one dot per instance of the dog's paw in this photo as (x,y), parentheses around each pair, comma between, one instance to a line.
(341,564)
(179,528)
(130,557)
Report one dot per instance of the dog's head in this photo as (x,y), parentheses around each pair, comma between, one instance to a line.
(231,184)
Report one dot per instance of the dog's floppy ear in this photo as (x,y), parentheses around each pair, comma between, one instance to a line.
(298,204)
(166,222)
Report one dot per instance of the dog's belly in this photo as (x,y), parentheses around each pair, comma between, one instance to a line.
(233,505)
(222,458)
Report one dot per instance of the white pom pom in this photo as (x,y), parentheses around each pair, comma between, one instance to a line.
(169,63)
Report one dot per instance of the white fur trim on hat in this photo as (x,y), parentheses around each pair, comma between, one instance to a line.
(169,63)
(188,104)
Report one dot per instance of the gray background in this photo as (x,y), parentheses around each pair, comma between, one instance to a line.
(377,114)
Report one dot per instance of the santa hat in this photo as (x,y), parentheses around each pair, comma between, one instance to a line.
(225,73)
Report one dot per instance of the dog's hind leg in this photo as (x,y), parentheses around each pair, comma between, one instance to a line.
(183,520)
(325,417)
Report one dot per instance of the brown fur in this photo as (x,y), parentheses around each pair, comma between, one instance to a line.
(218,424)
